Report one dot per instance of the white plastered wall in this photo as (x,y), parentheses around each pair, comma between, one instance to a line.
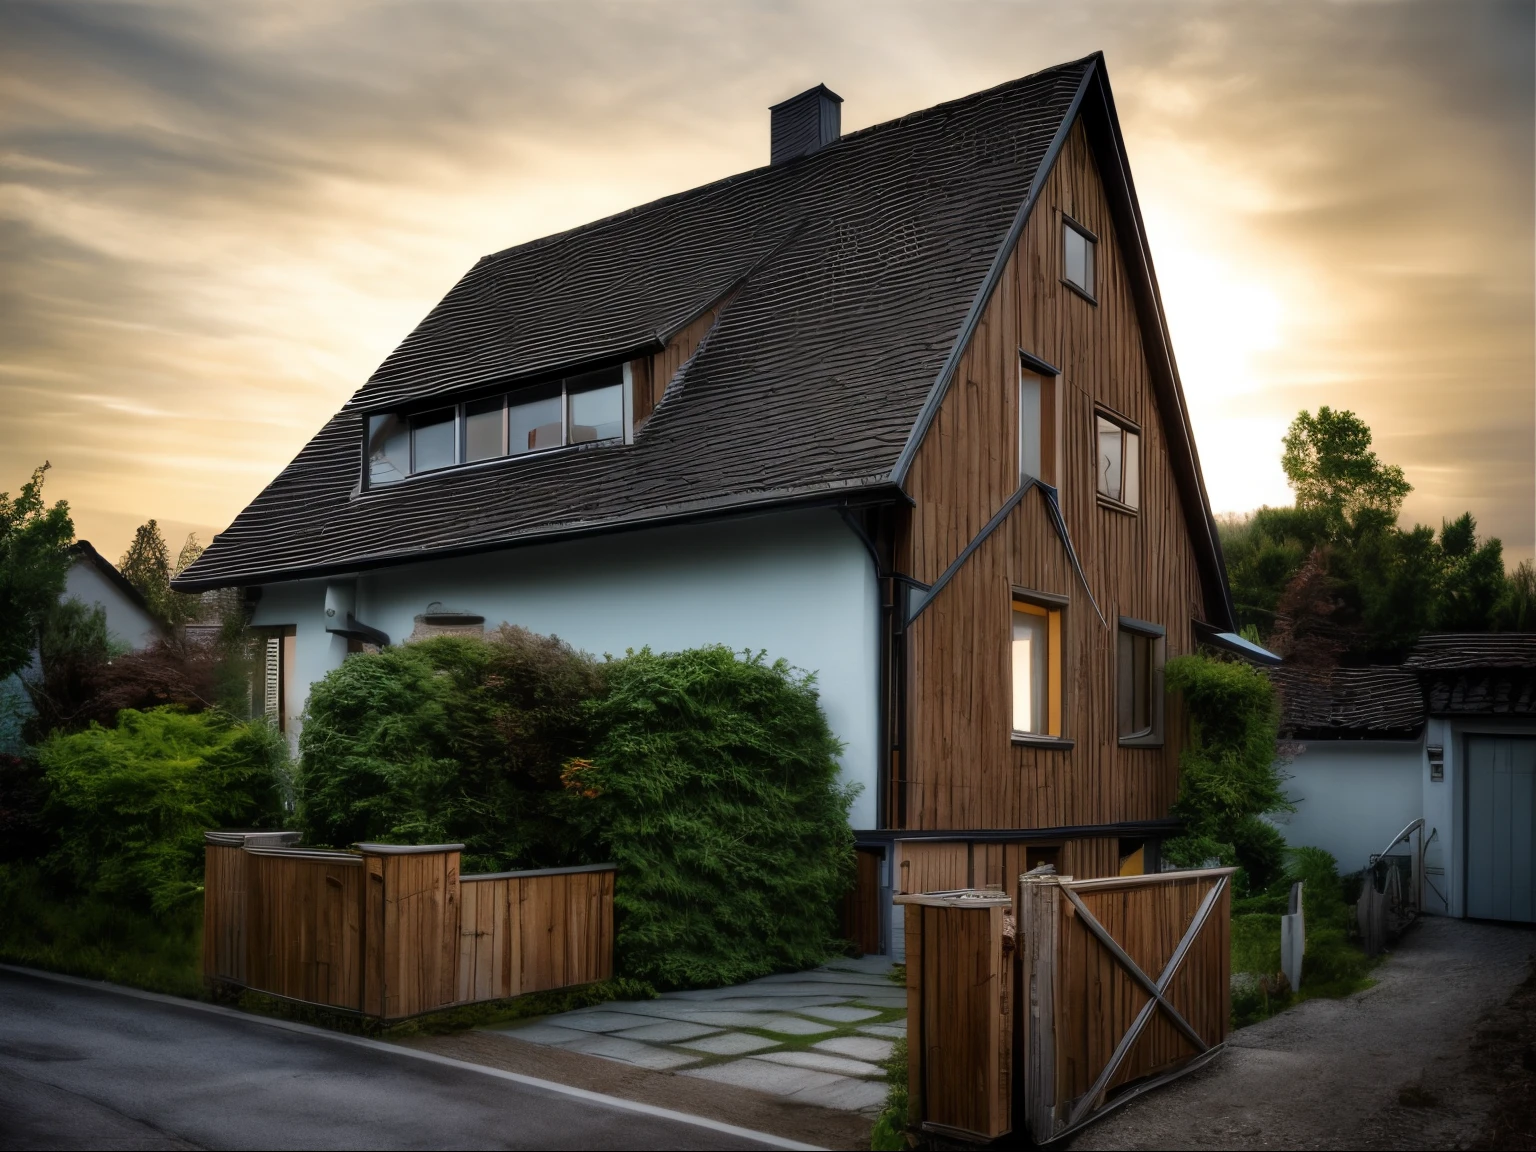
(797,585)
(127,623)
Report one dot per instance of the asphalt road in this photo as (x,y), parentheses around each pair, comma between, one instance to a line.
(88,1067)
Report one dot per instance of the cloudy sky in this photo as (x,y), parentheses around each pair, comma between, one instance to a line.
(216,220)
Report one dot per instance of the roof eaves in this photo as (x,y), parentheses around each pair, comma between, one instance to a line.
(865,489)
(86,552)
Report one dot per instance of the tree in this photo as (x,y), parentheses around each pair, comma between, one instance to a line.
(1330,466)
(34,561)
(1517,607)
(147,566)
(1472,582)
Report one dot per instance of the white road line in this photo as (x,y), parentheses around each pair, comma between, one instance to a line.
(765,1138)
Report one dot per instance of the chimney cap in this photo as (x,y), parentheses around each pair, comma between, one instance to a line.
(820,88)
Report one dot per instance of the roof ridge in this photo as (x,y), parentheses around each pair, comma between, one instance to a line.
(714,187)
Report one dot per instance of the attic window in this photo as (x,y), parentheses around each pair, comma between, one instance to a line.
(1119,463)
(1078,245)
(593,408)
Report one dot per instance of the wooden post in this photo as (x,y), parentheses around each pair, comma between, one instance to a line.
(1039,910)
(420,927)
(959,1027)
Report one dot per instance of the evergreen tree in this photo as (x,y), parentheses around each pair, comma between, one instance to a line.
(34,560)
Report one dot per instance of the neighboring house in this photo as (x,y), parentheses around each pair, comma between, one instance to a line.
(899,407)
(1449,736)
(93,580)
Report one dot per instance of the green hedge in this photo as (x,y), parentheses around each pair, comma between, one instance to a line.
(715,786)
(129,804)
(709,777)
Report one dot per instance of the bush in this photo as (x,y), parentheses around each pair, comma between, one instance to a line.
(130,804)
(715,786)
(451,740)
(890,1131)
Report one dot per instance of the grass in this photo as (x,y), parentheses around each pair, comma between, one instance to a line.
(1333,966)
(98,939)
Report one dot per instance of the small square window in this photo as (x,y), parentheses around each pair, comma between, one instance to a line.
(1077,258)
(1139,693)
(1036,668)
(1119,462)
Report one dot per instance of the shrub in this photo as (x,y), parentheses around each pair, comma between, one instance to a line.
(890,1130)
(450,740)
(715,786)
(130,804)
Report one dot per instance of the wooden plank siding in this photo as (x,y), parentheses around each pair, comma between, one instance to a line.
(224,896)
(962,769)
(950,865)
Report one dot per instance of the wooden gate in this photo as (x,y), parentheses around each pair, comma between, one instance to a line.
(1124,984)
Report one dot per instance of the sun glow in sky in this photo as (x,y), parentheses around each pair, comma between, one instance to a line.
(216,221)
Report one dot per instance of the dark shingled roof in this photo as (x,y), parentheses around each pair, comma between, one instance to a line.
(854,273)
(1368,703)
(1474,650)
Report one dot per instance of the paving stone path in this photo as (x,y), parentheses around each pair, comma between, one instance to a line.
(813,1036)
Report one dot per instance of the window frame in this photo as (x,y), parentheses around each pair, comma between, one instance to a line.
(1049,378)
(1126,425)
(1056,608)
(1090,292)
(1154,736)
(560,388)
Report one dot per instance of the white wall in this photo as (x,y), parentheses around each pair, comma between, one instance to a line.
(126,621)
(799,585)
(1352,796)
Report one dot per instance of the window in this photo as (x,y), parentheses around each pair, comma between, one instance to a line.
(434,440)
(1077,257)
(485,423)
(534,422)
(1139,671)
(1037,427)
(1036,669)
(389,450)
(1119,462)
(589,409)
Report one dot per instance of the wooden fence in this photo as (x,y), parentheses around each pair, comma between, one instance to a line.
(1114,987)
(393,931)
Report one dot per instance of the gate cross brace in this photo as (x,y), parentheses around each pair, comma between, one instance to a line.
(1156,991)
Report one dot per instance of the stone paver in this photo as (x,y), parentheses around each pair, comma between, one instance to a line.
(732,1044)
(823,1063)
(859,1047)
(815,1036)
(841,1013)
(764,1076)
(668,1031)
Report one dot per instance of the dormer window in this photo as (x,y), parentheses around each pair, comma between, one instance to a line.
(592,408)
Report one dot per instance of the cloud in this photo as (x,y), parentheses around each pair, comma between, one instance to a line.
(216,220)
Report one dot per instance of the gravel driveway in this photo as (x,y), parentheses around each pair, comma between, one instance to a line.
(1389,1067)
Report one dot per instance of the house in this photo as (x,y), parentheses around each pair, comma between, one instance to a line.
(899,406)
(1448,736)
(93,580)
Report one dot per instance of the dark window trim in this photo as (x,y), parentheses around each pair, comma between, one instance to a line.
(1039,367)
(1068,218)
(1043,599)
(1110,504)
(1087,234)
(1125,422)
(1156,735)
(1035,740)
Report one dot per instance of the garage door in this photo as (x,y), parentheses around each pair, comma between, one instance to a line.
(1501,827)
